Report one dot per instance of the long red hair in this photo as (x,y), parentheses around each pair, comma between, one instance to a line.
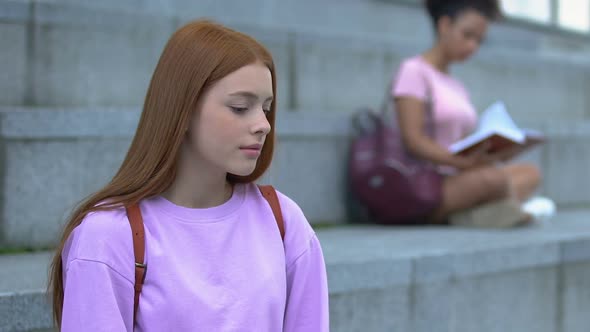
(196,56)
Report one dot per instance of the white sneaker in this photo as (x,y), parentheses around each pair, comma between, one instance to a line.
(540,208)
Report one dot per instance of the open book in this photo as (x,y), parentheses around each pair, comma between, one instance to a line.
(498,130)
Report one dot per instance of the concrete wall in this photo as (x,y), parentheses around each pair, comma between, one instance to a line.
(455,280)
(81,53)
(54,158)
(93,60)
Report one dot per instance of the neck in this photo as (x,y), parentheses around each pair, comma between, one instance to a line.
(436,57)
(195,187)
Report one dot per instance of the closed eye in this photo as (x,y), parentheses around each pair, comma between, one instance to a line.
(239,109)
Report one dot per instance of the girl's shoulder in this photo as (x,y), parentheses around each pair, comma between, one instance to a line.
(414,64)
(291,211)
(298,230)
(102,237)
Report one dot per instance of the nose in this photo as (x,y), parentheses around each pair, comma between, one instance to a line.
(261,125)
(473,46)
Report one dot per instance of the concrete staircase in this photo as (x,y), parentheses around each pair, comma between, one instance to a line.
(74,74)
(410,279)
(55,157)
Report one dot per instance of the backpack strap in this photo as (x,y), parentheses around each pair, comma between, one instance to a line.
(136,222)
(270,194)
(138,233)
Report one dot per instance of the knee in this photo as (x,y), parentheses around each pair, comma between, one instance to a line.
(528,175)
(497,183)
(534,174)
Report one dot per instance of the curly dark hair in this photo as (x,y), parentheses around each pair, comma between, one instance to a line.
(452,8)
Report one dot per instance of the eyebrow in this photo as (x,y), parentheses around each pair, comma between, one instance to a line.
(249,95)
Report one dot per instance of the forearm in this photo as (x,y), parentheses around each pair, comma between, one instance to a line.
(427,149)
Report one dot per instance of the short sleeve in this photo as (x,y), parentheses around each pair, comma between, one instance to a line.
(98,274)
(409,81)
(96,298)
(307,307)
(307,292)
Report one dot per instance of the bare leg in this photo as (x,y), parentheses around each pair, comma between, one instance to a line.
(471,188)
(524,179)
(486,184)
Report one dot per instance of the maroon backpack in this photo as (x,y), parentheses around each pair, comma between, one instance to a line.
(392,185)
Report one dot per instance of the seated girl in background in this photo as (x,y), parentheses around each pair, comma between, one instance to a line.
(477,190)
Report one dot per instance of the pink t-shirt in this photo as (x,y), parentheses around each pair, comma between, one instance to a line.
(454,115)
(219,269)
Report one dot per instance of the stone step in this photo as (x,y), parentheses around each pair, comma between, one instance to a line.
(410,279)
(51,148)
(24,305)
(337,64)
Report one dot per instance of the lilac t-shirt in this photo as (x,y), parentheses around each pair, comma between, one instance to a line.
(454,115)
(218,269)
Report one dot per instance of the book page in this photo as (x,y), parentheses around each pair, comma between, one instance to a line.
(495,120)
(534,135)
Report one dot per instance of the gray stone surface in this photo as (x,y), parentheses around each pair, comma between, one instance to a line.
(79,53)
(24,311)
(77,151)
(371,274)
(575,288)
(44,180)
(24,272)
(13,55)
(431,307)
(331,56)
(557,91)
(21,123)
(520,292)
(346,73)
(368,310)
(340,74)
(90,59)
(298,166)
(380,20)
(378,279)
(523,300)
(45,149)
(15,10)
(567,160)
(76,56)
(375,283)
(577,250)
(24,305)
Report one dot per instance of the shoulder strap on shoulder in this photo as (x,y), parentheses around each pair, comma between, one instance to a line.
(270,194)
(136,222)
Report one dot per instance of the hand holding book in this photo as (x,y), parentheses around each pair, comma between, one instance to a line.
(498,136)
(476,157)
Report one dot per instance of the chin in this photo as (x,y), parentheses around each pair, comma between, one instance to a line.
(242,171)
(464,57)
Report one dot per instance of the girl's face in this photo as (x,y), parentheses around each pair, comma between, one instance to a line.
(229,129)
(462,36)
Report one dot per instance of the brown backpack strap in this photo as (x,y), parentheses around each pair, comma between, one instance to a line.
(270,194)
(136,222)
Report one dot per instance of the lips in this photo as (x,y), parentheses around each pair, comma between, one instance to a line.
(254,147)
